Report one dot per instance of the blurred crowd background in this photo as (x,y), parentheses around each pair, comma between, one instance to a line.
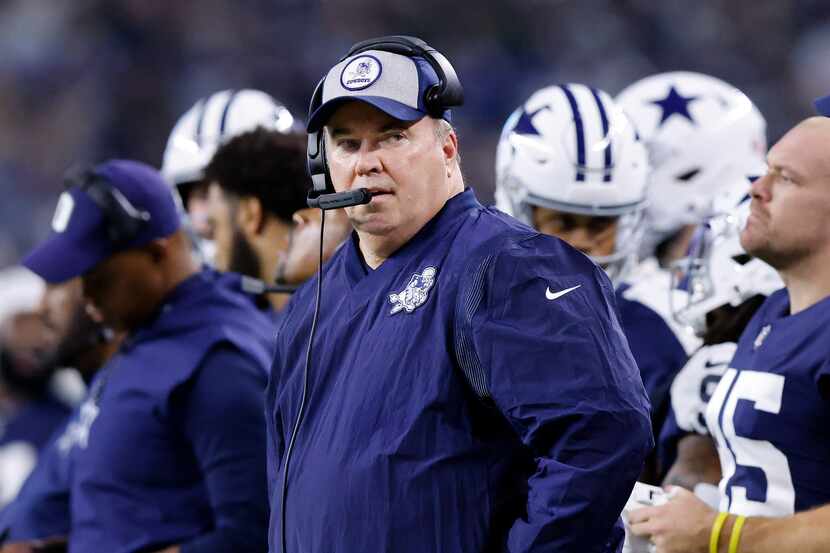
(85,80)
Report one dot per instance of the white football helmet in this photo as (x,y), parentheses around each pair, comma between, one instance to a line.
(212,121)
(20,290)
(718,271)
(570,148)
(701,134)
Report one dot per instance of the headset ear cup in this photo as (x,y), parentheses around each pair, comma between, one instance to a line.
(318,168)
(325,163)
(432,100)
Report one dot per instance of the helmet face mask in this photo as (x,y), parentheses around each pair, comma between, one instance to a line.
(569,148)
(701,134)
(717,271)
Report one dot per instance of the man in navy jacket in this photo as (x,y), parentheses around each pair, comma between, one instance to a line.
(166,451)
(469,387)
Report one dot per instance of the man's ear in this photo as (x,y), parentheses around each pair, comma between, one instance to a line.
(306,216)
(450,148)
(159,249)
(250,216)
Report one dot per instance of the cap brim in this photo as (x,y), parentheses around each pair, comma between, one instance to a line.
(392,108)
(59,259)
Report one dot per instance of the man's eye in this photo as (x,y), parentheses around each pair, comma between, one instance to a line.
(394,137)
(601,224)
(348,144)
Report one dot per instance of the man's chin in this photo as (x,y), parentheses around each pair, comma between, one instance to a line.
(374,228)
(373,223)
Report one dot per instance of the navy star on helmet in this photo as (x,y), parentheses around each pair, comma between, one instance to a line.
(707,136)
(674,104)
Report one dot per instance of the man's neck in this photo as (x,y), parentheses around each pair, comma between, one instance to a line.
(278,301)
(377,248)
(176,275)
(375,254)
(807,283)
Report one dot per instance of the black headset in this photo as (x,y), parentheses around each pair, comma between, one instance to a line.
(124,222)
(447,93)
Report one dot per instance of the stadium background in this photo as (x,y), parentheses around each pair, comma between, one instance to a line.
(84,80)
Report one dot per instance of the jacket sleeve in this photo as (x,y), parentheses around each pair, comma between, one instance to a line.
(41,508)
(540,337)
(221,415)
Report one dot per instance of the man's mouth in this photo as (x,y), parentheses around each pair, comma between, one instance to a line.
(375,191)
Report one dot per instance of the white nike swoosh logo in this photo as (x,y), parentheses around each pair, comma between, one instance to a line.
(553,295)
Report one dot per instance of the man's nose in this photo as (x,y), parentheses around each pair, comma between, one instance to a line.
(580,238)
(93,312)
(368,161)
(760,188)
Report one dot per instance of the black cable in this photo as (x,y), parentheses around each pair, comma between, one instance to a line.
(301,410)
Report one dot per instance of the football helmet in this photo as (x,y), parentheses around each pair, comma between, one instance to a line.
(718,271)
(570,148)
(212,121)
(701,134)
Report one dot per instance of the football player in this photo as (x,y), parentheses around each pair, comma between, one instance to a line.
(208,124)
(769,412)
(40,511)
(257,209)
(29,411)
(722,288)
(569,164)
(703,136)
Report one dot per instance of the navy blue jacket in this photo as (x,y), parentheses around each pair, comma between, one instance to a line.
(168,447)
(474,393)
(655,347)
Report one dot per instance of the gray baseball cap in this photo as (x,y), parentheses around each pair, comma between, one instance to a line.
(393,83)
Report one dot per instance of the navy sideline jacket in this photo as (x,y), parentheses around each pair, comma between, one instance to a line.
(475,393)
(168,448)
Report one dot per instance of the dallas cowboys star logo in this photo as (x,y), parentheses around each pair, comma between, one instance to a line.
(675,104)
(525,123)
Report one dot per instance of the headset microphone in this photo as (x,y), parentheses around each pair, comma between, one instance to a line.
(340,199)
(258,287)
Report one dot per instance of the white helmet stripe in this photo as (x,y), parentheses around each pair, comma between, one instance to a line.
(197,137)
(609,163)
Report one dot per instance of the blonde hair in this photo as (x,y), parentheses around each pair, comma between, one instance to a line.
(443,128)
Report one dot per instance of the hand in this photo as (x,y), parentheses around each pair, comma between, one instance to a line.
(171,549)
(682,525)
(52,545)
(20,547)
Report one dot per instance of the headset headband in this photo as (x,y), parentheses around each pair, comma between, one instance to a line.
(123,220)
(437,98)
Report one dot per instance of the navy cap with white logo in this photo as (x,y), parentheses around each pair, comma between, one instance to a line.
(393,83)
(80,237)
